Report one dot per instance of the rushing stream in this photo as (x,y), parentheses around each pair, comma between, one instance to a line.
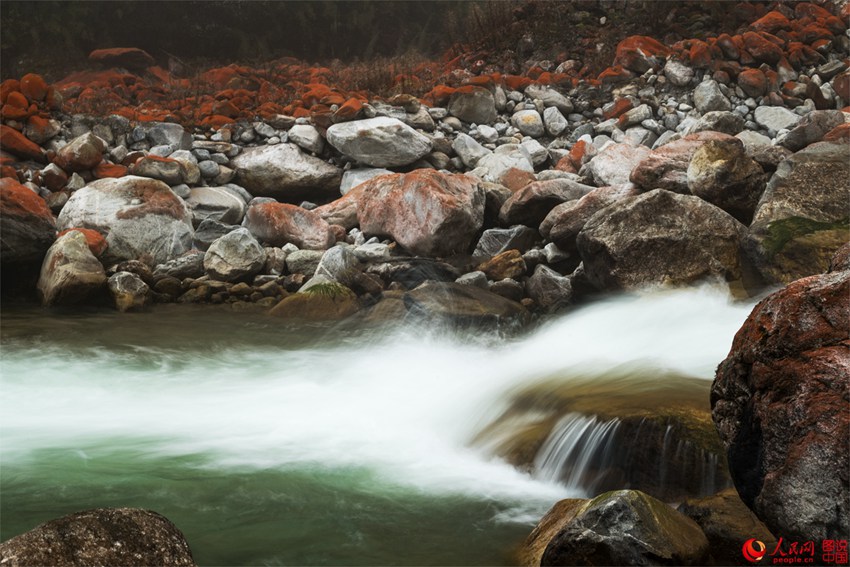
(268,444)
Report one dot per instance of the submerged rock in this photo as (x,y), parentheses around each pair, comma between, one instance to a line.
(321,302)
(463,305)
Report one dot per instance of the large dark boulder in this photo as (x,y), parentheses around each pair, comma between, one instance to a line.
(103,536)
(27,227)
(781,404)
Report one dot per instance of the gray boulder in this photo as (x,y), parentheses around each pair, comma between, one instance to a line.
(775,118)
(284,172)
(235,256)
(811,128)
(614,164)
(189,265)
(468,150)
(550,97)
(354,177)
(307,137)
(339,264)
(70,273)
(473,104)
(529,122)
(128,291)
(379,142)
(464,305)
(215,203)
(708,97)
(550,290)
(497,240)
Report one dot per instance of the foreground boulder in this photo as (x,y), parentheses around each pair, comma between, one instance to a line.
(279,223)
(379,142)
(27,227)
(530,205)
(70,273)
(139,216)
(802,218)
(463,305)
(328,301)
(427,212)
(659,238)
(780,404)
(547,528)
(104,536)
(284,172)
(627,527)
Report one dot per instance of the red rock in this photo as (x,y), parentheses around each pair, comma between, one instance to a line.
(640,53)
(10,112)
(97,243)
(54,178)
(279,223)
(839,133)
(620,106)
(440,94)
(581,153)
(17,144)
(530,205)
(516,82)
(27,227)
(7,87)
(615,74)
(515,179)
(752,82)
(225,108)
(566,164)
(17,100)
(34,87)
(762,49)
(771,22)
(349,110)
(217,121)
(7,170)
(130,57)
(841,85)
(814,32)
(104,169)
(700,55)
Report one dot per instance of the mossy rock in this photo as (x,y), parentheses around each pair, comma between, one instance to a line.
(322,302)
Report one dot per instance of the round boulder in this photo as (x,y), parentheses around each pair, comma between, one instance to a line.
(284,172)
(235,256)
(379,142)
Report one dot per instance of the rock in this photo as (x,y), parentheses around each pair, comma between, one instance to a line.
(284,172)
(129,57)
(497,240)
(189,265)
(473,104)
(343,211)
(137,215)
(95,240)
(726,523)
(34,87)
(339,264)
(215,203)
(171,134)
(70,273)
(802,217)
(634,116)
(167,170)
(208,231)
(614,164)
(811,128)
(82,153)
(775,118)
(550,290)
(322,302)
(554,121)
(779,402)
(235,256)
(17,144)
(550,97)
(721,173)
(708,97)
(307,137)
(530,205)
(753,82)
(659,237)
(427,212)
(564,222)
(27,227)
(547,528)
(667,166)
(841,259)
(41,130)
(351,178)
(468,150)
(640,53)
(496,167)
(379,142)
(507,264)
(627,527)
(678,73)
(128,291)
(412,272)
(103,536)
(476,278)
(529,123)
(304,262)
(719,121)
(278,223)
(463,305)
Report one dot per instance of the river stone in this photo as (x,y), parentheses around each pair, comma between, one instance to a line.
(678,73)
(427,212)
(307,137)
(82,153)
(70,273)
(614,164)
(339,264)
(139,216)
(547,528)
(507,264)
(530,205)
(564,222)
(802,217)
(463,305)
(550,97)
(496,240)
(103,536)
(303,262)
(210,230)
(379,142)
(215,203)
(235,256)
(496,167)
(721,173)
(322,302)
(170,134)
(286,173)
(529,123)
(27,227)
(708,96)
(627,527)
(189,265)
(554,121)
(775,118)
(726,523)
(811,128)
(468,150)
(354,177)
(473,104)
(412,272)
(550,290)
(166,170)
(779,402)
(659,238)
(128,291)
(278,223)
(719,121)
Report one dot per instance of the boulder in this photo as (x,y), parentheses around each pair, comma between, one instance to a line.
(627,527)
(708,97)
(17,144)
(70,273)
(802,217)
(215,203)
(284,172)
(554,121)
(811,128)
(189,265)
(82,153)
(27,227)
(235,256)
(321,302)
(167,170)
(468,150)
(172,134)
(667,166)
(128,291)
(379,142)
(780,404)
(564,222)
(463,305)
(103,536)
(659,238)
(208,231)
(303,262)
(496,240)
(775,118)
(719,121)
(427,212)
(530,205)
(279,223)
(139,216)
(307,137)
(351,178)
(507,264)
(547,528)
(550,290)
(529,123)
(497,166)
(640,53)
(550,97)
(678,73)
(339,264)
(412,272)
(130,57)
(473,104)
(721,173)
(614,164)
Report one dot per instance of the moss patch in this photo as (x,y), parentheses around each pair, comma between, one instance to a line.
(781,232)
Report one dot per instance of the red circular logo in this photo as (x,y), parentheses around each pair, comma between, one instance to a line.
(753,550)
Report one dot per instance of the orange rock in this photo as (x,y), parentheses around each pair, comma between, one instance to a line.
(8,86)
(481,81)
(621,105)
(19,201)
(300,112)
(516,82)
(814,32)
(771,22)
(8,171)
(565,164)
(640,53)
(130,57)
(216,121)
(225,108)
(615,74)
(841,85)
(350,110)
(10,112)
(16,99)
(440,94)
(762,49)
(581,153)
(104,169)
(753,82)
(34,87)
(515,179)
(839,133)
(97,243)
(17,144)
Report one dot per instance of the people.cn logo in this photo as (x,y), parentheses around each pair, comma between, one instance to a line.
(753,550)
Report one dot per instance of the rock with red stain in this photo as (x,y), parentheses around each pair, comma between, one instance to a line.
(811,128)
(427,212)
(840,133)
(17,99)
(82,153)
(27,227)
(34,87)
(753,82)
(640,53)
(53,177)
(771,22)
(286,173)
(616,108)
(130,57)
(614,164)
(530,205)
(614,75)
(780,404)
(70,273)
(276,224)
(841,85)
(104,169)
(138,216)
(17,144)
(40,129)
(97,243)
(517,179)
(762,50)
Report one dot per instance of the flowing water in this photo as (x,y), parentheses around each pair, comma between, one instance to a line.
(273,444)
